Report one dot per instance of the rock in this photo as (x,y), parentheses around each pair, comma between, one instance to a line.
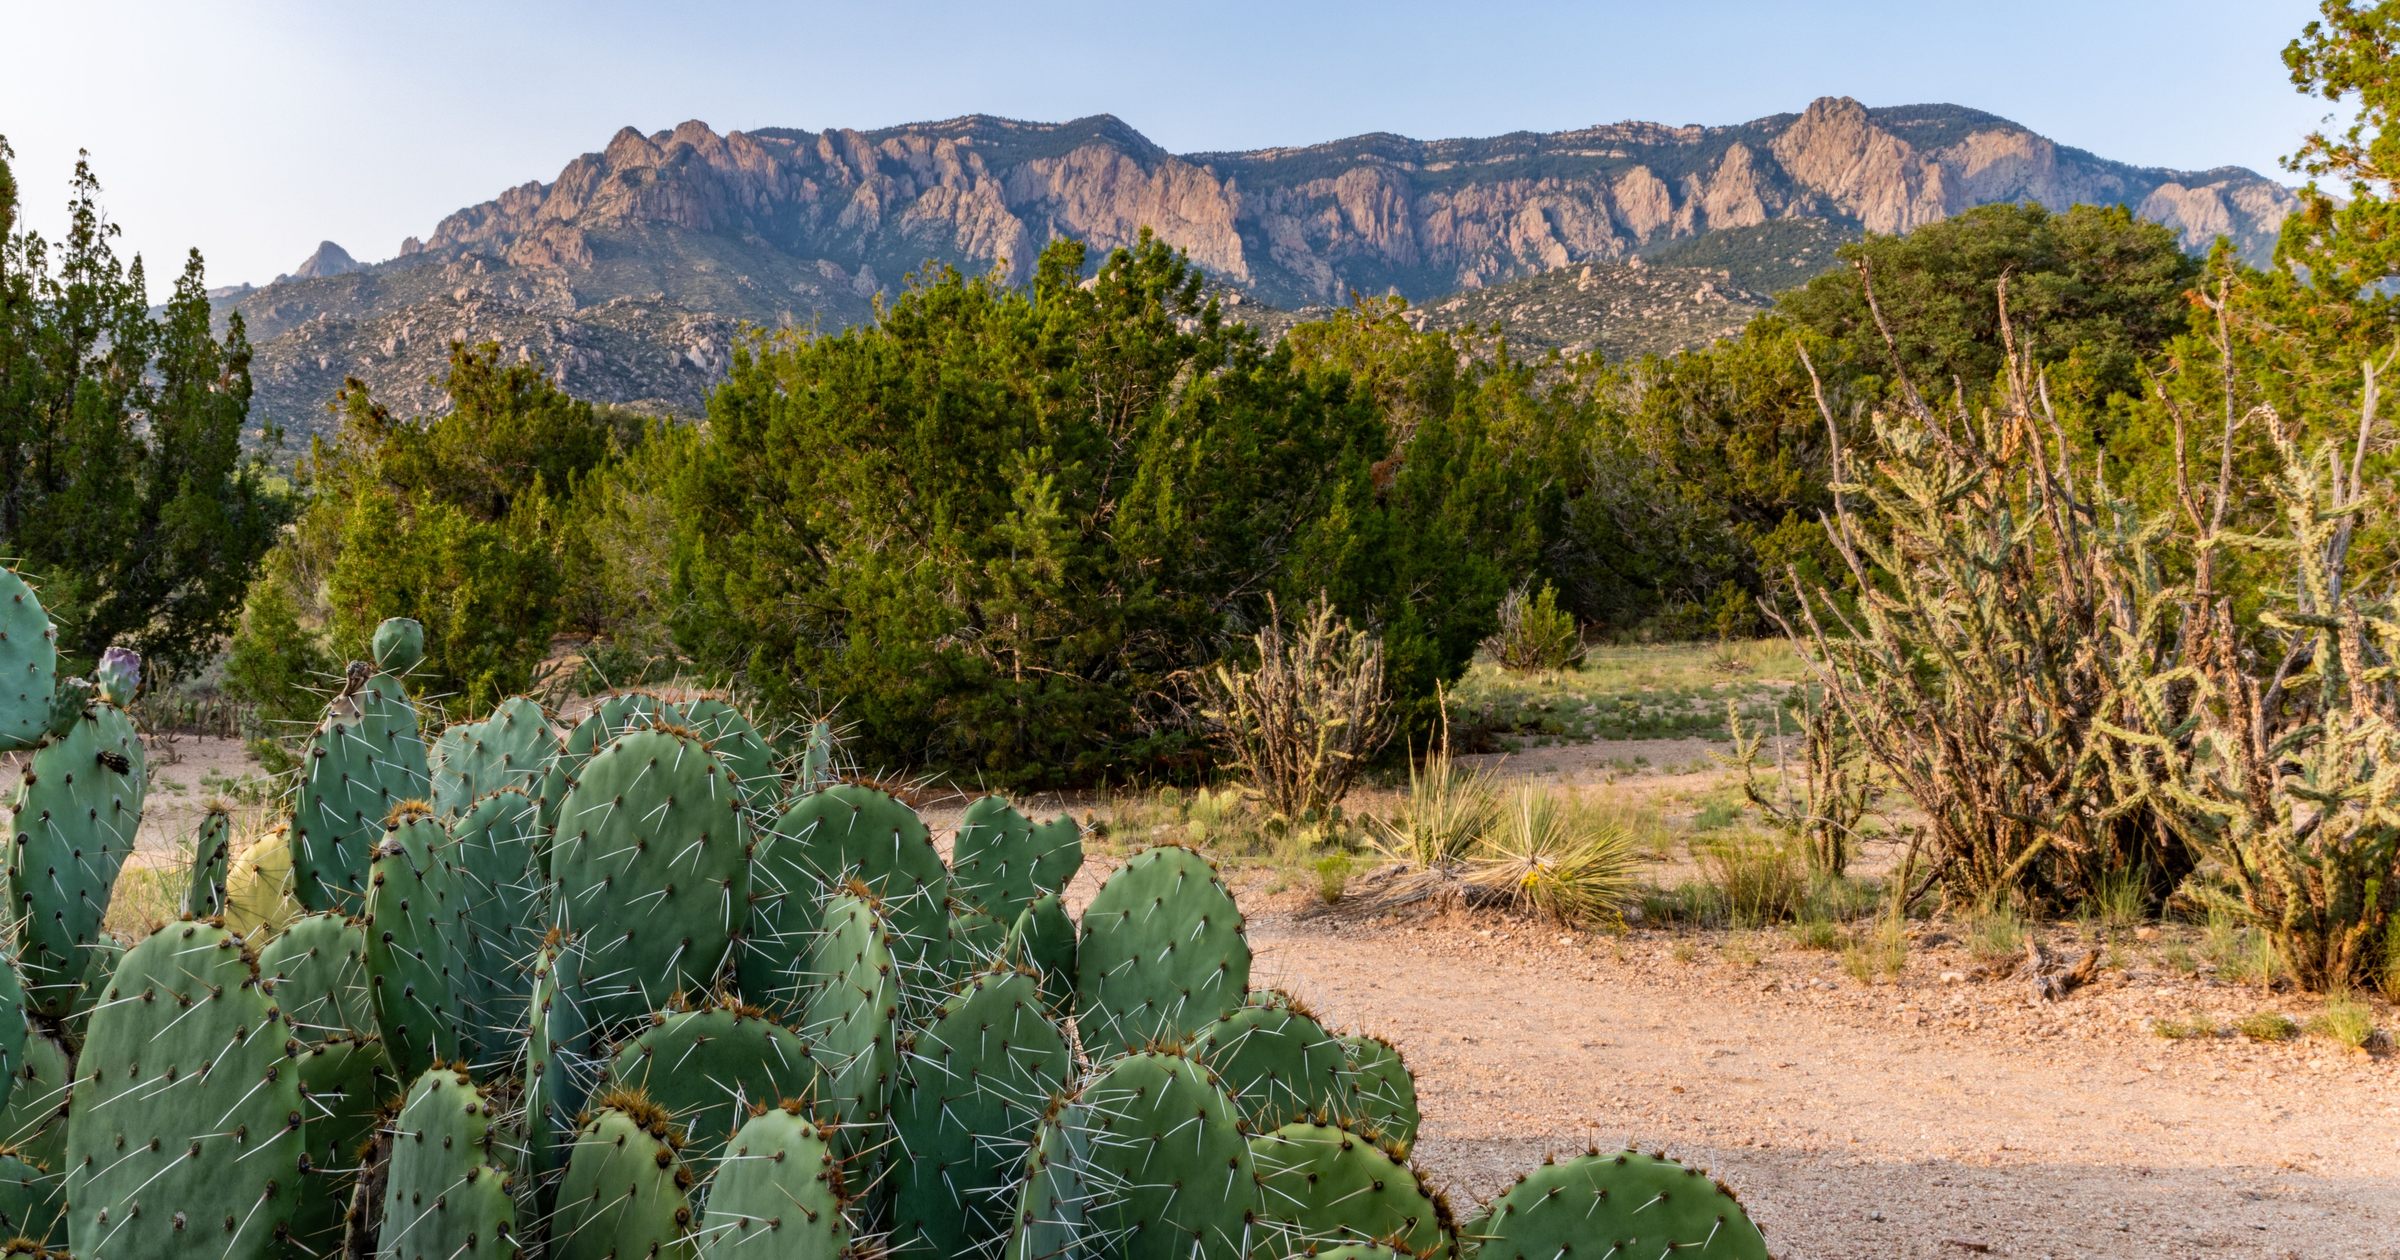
(1954,977)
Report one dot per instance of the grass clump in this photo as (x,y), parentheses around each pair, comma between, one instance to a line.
(2267,1026)
(1816,932)
(1333,876)
(1448,809)
(2345,1019)
(1758,880)
(2197,1028)
(1995,934)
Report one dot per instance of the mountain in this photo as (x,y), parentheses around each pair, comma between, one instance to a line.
(631,272)
(329,260)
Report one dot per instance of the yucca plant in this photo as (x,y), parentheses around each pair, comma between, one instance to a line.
(1546,854)
(1448,808)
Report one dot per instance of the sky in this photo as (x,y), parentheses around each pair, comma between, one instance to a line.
(254,130)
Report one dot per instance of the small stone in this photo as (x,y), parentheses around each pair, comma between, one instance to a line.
(1954,977)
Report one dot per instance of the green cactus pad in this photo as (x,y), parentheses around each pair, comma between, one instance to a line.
(852,1020)
(316,970)
(1625,1202)
(399,645)
(1331,1187)
(558,1061)
(75,815)
(414,927)
(973,1087)
(207,1142)
(737,743)
(12,1028)
(1361,1251)
(613,716)
(825,839)
(343,1080)
(510,748)
(1001,860)
(100,960)
(1162,953)
(1383,1092)
(28,664)
(625,1190)
(1277,1063)
(498,846)
(441,1196)
(212,862)
(649,867)
(977,940)
(777,1195)
(709,1067)
(364,759)
(31,1204)
(1167,1163)
(1043,938)
(34,1124)
(1053,1197)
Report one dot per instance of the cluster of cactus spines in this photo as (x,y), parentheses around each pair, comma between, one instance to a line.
(1167,1165)
(316,970)
(738,744)
(187,1119)
(778,1193)
(510,748)
(1621,1202)
(1278,1063)
(615,715)
(415,925)
(650,867)
(848,833)
(28,663)
(1043,938)
(1001,860)
(1329,1186)
(627,1189)
(1382,1092)
(973,1084)
(442,1194)
(708,1067)
(851,1020)
(212,862)
(498,846)
(365,758)
(74,818)
(343,1079)
(1162,953)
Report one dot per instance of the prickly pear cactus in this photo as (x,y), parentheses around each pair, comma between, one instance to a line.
(399,645)
(1001,860)
(709,1067)
(852,1020)
(258,891)
(34,1124)
(1162,953)
(613,716)
(442,1196)
(1328,1186)
(778,1194)
(625,1192)
(117,676)
(1625,1202)
(100,960)
(30,1205)
(74,818)
(977,940)
(972,1089)
(824,840)
(28,663)
(509,749)
(649,868)
(415,922)
(365,758)
(212,862)
(343,1080)
(1277,1063)
(559,1067)
(1168,1166)
(1043,938)
(497,842)
(1054,1195)
(738,744)
(316,970)
(12,1028)
(186,1132)
(1383,1092)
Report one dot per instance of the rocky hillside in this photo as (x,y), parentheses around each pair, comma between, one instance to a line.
(631,271)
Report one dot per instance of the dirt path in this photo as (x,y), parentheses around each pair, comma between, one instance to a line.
(1863,1121)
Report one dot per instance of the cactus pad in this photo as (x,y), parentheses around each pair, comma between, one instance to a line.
(1167,1164)
(625,1189)
(414,926)
(510,748)
(28,663)
(75,816)
(1329,1187)
(558,1061)
(212,861)
(258,891)
(316,970)
(1001,860)
(1162,953)
(972,1089)
(365,758)
(497,843)
(824,840)
(343,1080)
(441,1196)
(649,867)
(1383,1092)
(34,1124)
(1277,1063)
(1632,1203)
(13,1029)
(851,1022)
(399,644)
(709,1067)
(778,1195)
(30,1204)
(613,716)
(737,743)
(1043,938)
(203,1155)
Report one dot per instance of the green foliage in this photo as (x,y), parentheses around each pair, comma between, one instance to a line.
(275,664)
(123,479)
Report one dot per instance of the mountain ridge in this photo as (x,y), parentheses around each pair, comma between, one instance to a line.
(630,272)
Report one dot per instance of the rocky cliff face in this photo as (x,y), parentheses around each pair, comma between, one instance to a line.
(629,272)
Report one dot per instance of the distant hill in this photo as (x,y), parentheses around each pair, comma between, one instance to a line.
(632,271)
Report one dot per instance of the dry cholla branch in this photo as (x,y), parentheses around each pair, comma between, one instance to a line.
(1307,716)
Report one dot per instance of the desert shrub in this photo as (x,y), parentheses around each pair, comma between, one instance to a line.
(1535,634)
(2345,1019)
(1333,876)
(1816,932)
(1303,719)
(1757,880)
(1448,808)
(1825,817)
(1546,853)
(276,664)
(1995,933)
(2266,1026)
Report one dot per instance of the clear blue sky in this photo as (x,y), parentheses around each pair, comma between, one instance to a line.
(253,130)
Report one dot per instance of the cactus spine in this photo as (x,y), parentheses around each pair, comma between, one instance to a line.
(75,815)
(28,664)
(778,1194)
(1162,953)
(365,759)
